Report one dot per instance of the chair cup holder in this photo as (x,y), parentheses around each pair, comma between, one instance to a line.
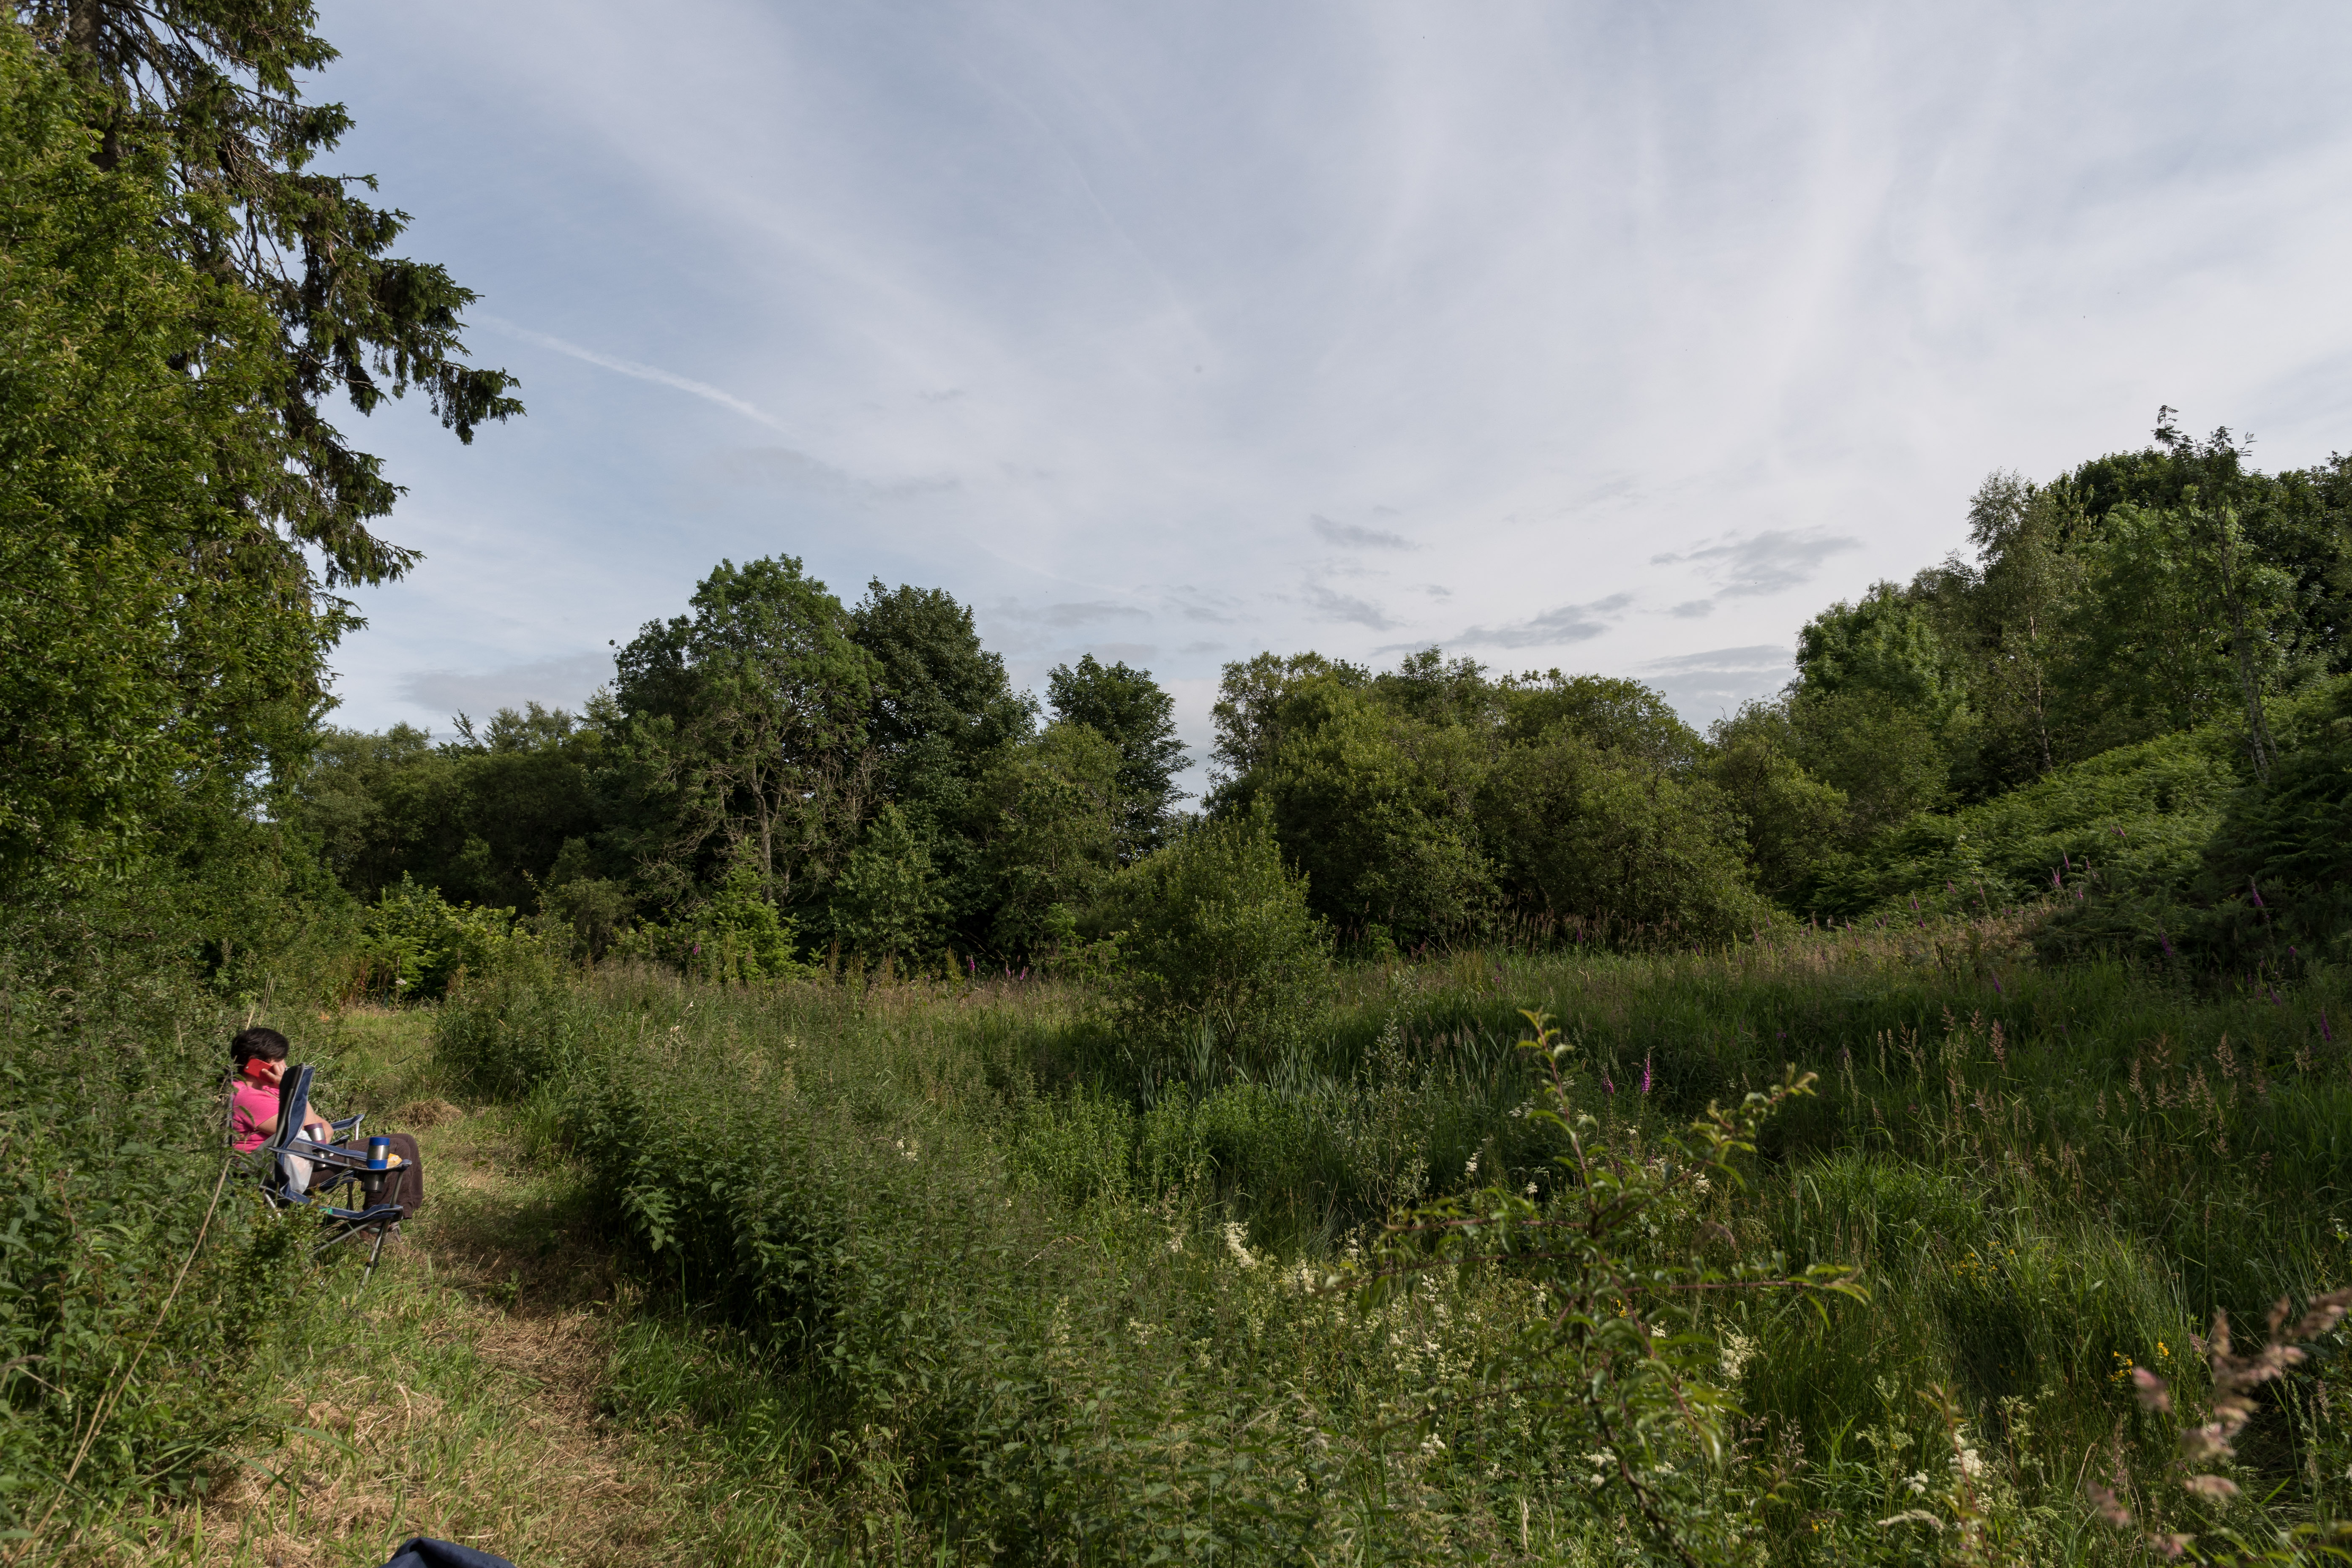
(371,1182)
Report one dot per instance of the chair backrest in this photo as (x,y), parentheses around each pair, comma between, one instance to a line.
(291,1171)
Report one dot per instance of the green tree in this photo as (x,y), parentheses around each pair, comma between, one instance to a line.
(1792,821)
(162,647)
(206,94)
(745,731)
(482,817)
(1612,713)
(887,904)
(1051,821)
(1883,644)
(1378,810)
(1614,841)
(2178,615)
(1250,699)
(1128,708)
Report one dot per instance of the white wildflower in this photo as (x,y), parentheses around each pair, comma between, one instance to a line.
(1968,1463)
(1236,1245)
(1472,1169)
(1917,1482)
(1738,1349)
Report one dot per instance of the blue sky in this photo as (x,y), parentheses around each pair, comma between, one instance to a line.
(1618,337)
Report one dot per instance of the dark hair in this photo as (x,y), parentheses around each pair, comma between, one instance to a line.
(266,1044)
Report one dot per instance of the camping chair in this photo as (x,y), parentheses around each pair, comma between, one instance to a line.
(301,1172)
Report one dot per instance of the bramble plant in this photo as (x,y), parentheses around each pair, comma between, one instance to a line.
(1619,1262)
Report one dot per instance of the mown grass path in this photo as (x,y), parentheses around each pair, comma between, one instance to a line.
(458,1394)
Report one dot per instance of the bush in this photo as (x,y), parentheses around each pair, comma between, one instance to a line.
(735,936)
(1220,944)
(111,1153)
(415,941)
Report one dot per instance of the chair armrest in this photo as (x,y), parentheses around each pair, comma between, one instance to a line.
(347,1124)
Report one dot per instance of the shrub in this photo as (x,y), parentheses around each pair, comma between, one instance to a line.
(123,1240)
(1219,941)
(415,941)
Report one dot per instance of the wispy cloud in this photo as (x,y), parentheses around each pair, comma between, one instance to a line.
(1758,563)
(1346,608)
(1727,660)
(1064,616)
(554,682)
(629,367)
(1354,536)
(1194,286)
(1713,684)
(1566,623)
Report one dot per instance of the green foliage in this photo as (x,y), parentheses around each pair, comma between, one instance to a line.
(1621,1266)
(1792,820)
(1883,644)
(1127,709)
(1050,819)
(744,732)
(1221,944)
(887,903)
(1376,809)
(734,935)
(483,818)
(110,1157)
(209,96)
(417,942)
(161,646)
(1609,837)
(1614,715)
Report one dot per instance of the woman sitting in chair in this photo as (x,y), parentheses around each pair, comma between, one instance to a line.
(254,1110)
(260,1058)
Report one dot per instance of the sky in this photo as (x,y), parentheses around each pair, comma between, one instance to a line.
(1619,338)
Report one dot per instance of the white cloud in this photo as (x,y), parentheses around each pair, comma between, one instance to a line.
(1354,536)
(1726,307)
(1554,627)
(550,682)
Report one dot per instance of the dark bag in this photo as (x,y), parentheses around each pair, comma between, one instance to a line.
(407,1187)
(423,1552)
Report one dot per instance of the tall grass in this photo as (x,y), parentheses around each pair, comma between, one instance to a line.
(949,1275)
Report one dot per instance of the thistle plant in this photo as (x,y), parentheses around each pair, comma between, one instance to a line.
(1619,1266)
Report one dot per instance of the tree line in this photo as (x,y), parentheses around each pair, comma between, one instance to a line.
(868,773)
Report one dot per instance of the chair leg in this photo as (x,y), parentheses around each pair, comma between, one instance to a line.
(374,1253)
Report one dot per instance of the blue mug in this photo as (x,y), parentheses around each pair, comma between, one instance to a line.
(379,1154)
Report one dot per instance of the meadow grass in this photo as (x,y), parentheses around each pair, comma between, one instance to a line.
(938,1270)
(932,1270)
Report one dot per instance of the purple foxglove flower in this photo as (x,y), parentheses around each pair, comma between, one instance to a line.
(1646,1073)
(2256,891)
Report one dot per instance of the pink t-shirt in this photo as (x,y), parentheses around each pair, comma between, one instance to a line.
(252,1105)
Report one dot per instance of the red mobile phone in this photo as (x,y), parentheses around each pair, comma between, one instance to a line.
(257,1070)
